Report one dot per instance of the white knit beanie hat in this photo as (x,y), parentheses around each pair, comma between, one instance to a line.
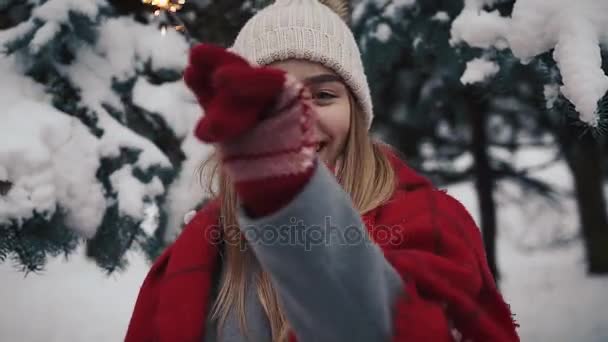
(310,30)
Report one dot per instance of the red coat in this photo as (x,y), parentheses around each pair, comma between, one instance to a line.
(434,245)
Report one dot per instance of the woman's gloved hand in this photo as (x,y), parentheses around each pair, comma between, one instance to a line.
(260,119)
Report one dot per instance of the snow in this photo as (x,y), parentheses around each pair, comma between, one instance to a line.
(543,278)
(125,42)
(536,221)
(575,31)
(51,160)
(189,216)
(132,193)
(358,11)
(53,13)
(57,10)
(417,42)
(479,28)
(117,136)
(404,3)
(49,157)
(14,33)
(123,47)
(173,101)
(441,16)
(391,8)
(398,3)
(93,76)
(3,173)
(14,87)
(551,92)
(553,298)
(186,191)
(478,70)
(394,7)
(547,288)
(151,218)
(121,50)
(69,301)
(44,35)
(383,32)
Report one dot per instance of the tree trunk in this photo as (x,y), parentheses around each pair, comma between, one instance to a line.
(584,156)
(484,177)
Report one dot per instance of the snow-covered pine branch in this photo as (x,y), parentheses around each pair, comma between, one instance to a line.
(94,116)
(574,30)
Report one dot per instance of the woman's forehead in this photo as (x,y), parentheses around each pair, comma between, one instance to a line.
(302,69)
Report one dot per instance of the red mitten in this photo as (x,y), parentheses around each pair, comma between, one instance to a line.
(262,123)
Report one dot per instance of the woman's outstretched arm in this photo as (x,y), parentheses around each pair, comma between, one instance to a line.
(333,281)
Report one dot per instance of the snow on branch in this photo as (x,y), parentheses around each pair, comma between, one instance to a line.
(478,70)
(574,30)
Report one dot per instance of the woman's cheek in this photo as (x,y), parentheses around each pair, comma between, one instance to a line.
(340,124)
(342,121)
(334,120)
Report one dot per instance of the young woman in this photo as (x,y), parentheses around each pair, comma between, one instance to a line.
(317,232)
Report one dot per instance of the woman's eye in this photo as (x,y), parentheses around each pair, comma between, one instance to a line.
(324,95)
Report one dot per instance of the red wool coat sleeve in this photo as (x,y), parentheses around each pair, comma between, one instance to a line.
(436,247)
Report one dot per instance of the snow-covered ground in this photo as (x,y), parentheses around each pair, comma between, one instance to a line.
(552,297)
(69,301)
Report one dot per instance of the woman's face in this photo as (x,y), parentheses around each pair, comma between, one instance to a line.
(330,99)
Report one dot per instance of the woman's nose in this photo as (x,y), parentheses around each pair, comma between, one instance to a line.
(306,93)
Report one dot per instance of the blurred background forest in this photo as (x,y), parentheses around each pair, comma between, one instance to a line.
(98,160)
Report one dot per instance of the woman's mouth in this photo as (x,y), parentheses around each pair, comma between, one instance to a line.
(320,145)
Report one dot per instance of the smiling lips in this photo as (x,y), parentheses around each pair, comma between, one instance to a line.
(320,145)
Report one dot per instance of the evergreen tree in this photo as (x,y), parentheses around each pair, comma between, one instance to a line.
(566,43)
(95,131)
(445,113)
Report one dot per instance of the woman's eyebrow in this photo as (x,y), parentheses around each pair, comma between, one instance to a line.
(323,78)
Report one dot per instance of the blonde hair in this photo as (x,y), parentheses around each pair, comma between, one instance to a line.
(365,174)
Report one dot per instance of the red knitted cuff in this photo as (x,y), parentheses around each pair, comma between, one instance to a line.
(264,197)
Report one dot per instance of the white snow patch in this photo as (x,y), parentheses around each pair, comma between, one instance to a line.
(58,10)
(441,16)
(51,159)
(383,32)
(132,193)
(70,301)
(478,70)
(551,92)
(173,101)
(575,30)
(186,192)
